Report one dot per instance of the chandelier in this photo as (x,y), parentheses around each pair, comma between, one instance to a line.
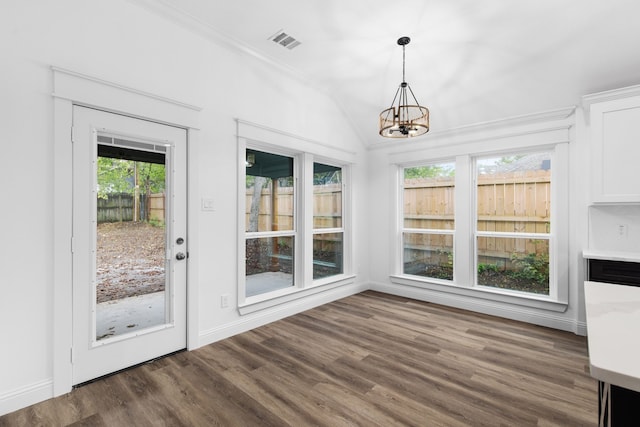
(404,119)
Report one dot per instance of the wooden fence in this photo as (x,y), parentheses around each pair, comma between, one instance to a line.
(517,202)
(120,207)
(327,213)
(327,208)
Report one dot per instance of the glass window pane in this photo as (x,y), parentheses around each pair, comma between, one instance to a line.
(269,264)
(327,196)
(130,239)
(327,255)
(429,196)
(514,263)
(269,192)
(514,193)
(428,255)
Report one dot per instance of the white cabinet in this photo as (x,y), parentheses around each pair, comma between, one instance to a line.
(615,145)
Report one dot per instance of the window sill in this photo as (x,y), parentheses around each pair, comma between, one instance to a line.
(273,299)
(542,302)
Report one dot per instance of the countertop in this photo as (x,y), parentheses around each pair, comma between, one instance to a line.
(613,325)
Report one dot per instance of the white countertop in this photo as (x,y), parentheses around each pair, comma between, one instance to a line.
(611,255)
(613,325)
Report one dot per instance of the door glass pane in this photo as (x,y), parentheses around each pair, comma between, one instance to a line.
(269,264)
(130,238)
(514,263)
(428,255)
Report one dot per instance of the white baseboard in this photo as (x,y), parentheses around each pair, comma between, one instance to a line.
(266,316)
(549,319)
(25,396)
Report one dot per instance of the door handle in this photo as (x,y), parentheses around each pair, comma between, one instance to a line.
(180,256)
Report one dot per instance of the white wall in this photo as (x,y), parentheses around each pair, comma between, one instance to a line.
(120,42)
(604,228)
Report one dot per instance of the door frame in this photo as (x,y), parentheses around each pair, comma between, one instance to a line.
(69,89)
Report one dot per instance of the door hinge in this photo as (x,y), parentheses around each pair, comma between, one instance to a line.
(72,243)
(72,135)
(71,354)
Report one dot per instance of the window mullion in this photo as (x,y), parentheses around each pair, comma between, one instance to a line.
(306,219)
(464,219)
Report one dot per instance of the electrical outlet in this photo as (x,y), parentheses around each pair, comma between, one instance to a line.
(224,301)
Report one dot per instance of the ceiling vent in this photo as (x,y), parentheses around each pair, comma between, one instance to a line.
(284,39)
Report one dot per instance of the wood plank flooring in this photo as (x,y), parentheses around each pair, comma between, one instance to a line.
(367,360)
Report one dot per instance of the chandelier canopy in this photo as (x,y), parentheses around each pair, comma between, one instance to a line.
(405,118)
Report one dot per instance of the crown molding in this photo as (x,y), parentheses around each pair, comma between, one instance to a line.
(517,125)
(608,95)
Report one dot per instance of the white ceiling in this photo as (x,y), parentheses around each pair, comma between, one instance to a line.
(469,61)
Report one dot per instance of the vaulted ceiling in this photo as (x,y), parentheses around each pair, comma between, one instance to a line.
(469,61)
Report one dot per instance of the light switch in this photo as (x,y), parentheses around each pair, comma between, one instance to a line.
(207,205)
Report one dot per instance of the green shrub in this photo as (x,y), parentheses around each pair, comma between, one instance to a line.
(534,267)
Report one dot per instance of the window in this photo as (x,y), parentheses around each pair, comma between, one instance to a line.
(294,224)
(428,223)
(503,240)
(513,194)
(270,233)
(328,231)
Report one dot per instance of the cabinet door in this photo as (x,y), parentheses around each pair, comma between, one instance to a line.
(615,138)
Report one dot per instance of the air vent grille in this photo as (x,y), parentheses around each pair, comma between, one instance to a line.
(284,39)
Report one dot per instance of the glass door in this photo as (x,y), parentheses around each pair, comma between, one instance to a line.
(129,250)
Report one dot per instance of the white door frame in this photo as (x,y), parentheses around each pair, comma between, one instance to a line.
(71,88)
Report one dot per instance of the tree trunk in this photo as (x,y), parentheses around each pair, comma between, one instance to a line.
(254,212)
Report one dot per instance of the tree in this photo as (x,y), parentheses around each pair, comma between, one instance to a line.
(118,176)
(114,176)
(431,171)
(258,184)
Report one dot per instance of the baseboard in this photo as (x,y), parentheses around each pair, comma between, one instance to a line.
(581,328)
(255,320)
(25,396)
(548,319)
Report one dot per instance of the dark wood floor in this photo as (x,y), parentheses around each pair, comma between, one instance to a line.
(367,360)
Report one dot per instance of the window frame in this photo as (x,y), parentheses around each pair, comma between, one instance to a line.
(303,227)
(428,231)
(334,230)
(464,283)
(293,232)
(553,285)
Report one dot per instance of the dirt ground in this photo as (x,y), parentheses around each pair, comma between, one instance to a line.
(130,260)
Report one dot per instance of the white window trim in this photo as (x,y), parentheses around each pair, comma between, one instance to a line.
(346,242)
(400,218)
(553,284)
(305,153)
(465,228)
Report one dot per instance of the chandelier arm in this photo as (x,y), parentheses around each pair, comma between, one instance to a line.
(395,97)
(392,108)
(414,97)
(405,113)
